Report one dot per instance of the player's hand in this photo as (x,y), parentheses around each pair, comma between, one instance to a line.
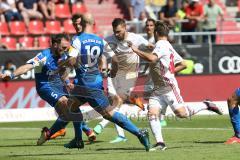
(130,44)
(70,86)
(5,77)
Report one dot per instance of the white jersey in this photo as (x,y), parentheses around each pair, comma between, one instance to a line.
(128,60)
(162,72)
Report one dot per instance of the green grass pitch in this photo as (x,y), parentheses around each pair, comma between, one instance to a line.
(199,138)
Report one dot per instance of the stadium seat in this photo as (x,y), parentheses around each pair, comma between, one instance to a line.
(17,28)
(36,27)
(62,11)
(78,8)
(68,27)
(53,27)
(10,42)
(4,29)
(26,42)
(43,42)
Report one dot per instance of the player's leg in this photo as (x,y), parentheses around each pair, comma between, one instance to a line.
(155,106)
(120,132)
(182,110)
(89,132)
(233,102)
(58,128)
(163,122)
(101,104)
(99,127)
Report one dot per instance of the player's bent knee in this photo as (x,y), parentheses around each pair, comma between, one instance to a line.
(232,101)
(63,101)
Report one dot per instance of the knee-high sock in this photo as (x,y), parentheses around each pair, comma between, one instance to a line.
(78,130)
(156,128)
(193,109)
(235,120)
(125,123)
(85,127)
(104,123)
(58,124)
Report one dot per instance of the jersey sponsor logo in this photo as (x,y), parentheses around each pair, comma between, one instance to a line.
(229,64)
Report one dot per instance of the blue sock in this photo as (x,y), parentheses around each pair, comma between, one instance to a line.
(235,119)
(85,127)
(78,130)
(58,124)
(125,123)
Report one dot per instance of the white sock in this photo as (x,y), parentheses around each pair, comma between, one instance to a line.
(193,109)
(120,131)
(104,123)
(162,117)
(156,128)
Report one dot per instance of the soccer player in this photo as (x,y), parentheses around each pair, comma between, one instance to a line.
(148,87)
(120,87)
(89,132)
(50,83)
(233,103)
(84,54)
(165,62)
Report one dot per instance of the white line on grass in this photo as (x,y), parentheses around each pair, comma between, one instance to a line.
(165,128)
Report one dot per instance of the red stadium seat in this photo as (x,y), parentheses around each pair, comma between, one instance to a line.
(10,42)
(79,8)
(26,42)
(62,11)
(43,42)
(36,27)
(68,27)
(53,27)
(17,28)
(4,29)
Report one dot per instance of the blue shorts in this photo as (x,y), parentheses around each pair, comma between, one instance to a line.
(51,94)
(94,96)
(238,92)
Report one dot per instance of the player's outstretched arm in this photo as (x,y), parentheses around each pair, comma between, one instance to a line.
(19,71)
(143,55)
(180,66)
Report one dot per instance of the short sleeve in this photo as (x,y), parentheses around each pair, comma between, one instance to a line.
(141,41)
(158,50)
(177,58)
(38,60)
(107,51)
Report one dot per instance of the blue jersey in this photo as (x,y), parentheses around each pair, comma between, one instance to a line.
(48,81)
(88,48)
(46,68)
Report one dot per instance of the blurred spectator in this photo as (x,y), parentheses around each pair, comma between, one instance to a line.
(181,15)
(168,13)
(194,13)
(2,47)
(135,8)
(211,13)
(28,9)
(47,7)
(9,10)
(8,66)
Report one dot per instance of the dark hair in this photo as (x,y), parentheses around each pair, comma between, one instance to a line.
(118,21)
(58,37)
(150,20)
(161,28)
(83,20)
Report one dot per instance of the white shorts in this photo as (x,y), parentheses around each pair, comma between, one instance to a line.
(172,99)
(122,84)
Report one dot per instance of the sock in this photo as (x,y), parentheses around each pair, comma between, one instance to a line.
(78,130)
(58,124)
(125,123)
(193,109)
(235,120)
(120,131)
(162,117)
(156,128)
(104,123)
(85,127)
